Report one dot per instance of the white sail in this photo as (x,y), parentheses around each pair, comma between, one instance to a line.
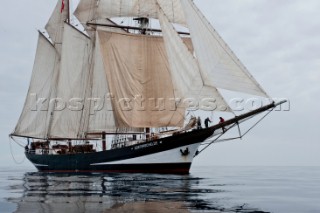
(137,65)
(101,116)
(114,80)
(86,11)
(92,9)
(185,71)
(71,84)
(219,65)
(55,24)
(34,116)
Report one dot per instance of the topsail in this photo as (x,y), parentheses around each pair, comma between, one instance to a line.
(89,10)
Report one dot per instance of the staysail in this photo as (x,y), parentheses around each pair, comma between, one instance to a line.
(185,70)
(219,65)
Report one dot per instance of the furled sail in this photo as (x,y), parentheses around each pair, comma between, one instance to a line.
(185,71)
(219,65)
(34,116)
(71,84)
(139,79)
(92,9)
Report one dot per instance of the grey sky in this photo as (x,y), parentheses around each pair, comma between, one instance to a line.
(278,41)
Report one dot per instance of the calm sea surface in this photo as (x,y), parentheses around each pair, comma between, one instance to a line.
(206,189)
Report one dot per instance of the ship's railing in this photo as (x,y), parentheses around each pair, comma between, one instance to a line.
(117,143)
(60,149)
(129,141)
(29,151)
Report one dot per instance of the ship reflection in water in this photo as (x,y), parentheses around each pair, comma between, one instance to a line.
(45,192)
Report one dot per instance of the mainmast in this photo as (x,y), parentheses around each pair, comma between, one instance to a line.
(69,20)
(144,24)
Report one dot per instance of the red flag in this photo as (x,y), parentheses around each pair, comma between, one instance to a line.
(62,6)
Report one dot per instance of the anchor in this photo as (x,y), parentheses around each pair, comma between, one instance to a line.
(185,152)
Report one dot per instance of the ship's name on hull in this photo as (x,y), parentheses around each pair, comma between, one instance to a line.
(147,145)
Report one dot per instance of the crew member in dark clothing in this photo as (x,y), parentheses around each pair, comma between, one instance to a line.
(222,121)
(26,148)
(199,123)
(206,122)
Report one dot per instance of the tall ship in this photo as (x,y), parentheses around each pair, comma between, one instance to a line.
(113,84)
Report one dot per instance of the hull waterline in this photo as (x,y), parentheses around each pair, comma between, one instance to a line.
(172,155)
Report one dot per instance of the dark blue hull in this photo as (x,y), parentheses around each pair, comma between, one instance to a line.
(158,156)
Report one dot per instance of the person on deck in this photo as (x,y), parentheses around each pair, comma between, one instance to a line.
(199,123)
(222,121)
(206,122)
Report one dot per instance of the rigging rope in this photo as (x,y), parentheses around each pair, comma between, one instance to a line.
(216,140)
(257,123)
(11,152)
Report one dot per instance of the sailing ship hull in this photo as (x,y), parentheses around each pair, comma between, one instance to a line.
(166,155)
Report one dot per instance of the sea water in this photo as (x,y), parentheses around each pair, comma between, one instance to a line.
(205,189)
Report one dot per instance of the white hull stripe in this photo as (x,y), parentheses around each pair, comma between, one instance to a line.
(169,156)
(40,164)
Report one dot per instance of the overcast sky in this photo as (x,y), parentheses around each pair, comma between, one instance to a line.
(278,41)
